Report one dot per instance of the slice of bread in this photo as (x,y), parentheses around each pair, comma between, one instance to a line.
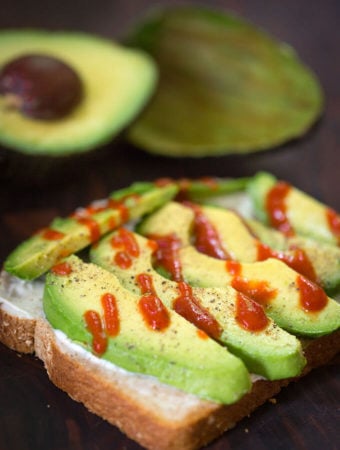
(157,416)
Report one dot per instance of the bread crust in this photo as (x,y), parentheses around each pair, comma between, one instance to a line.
(16,332)
(141,421)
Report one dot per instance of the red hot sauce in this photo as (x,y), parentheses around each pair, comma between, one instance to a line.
(206,238)
(111,314)
(333,220)
(62,269)
(312,297)
(151,307)
(297,259)
(166,254)
(125,240)
(188,306)
(51,235)
(91,224)
(277,209)
(249,314)
(258,290)
(94,325)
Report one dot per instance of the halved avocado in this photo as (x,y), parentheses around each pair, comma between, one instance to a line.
(116,81)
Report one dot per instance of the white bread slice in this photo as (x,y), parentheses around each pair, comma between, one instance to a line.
(157,416)
(20,306)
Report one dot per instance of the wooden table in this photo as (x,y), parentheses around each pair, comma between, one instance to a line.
(34,415)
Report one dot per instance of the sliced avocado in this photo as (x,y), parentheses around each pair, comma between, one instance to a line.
(324,257)
(270,352)
(117,82)
(284,307)
(275,280)
(323,223)
(210,371)
(65,236)
(242,240)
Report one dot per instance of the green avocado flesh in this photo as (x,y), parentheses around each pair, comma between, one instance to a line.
(211,372)
(37,255)
(281,282)
(272,352)
(225,86)
(212,363)
(298,206)
(117,83)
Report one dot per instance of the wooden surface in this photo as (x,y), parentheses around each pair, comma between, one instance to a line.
(34,415)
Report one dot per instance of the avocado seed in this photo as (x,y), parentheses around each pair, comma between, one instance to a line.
(40,86)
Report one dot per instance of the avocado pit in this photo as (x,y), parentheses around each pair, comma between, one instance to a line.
(40,86)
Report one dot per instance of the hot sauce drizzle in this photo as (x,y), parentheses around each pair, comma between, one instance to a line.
(62,269)
(92,226)
(249,314)
(166,254)
(206,238)
(297,259)
(187,306)
(258,290)
(111,314)
(84,216)
(95,327)
(333,220)
(51,235)
(276,208)
(125,240)
(312,297)
(151,307)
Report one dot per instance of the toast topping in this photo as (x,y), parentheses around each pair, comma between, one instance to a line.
(111,314)
(296,258)
(333,220)
(276,208)
(249,314)
(153,311)
(190,308)
(51,235)
(166,254)
(125,241)
(312,297)
(62,269)
(95,327)
(206,238)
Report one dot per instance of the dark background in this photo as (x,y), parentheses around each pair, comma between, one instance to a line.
(34,414)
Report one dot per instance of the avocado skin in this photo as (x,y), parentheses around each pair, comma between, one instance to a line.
(210,372)
(273,353)
(33,257)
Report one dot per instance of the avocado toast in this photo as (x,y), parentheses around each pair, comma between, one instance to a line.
(97,328)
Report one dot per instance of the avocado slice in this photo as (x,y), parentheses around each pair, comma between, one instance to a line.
(323,223)
(117,82)
(324,257)
(278,285)
(65,236)
(242,239)
(210,372)
(270,352)
(282,284)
